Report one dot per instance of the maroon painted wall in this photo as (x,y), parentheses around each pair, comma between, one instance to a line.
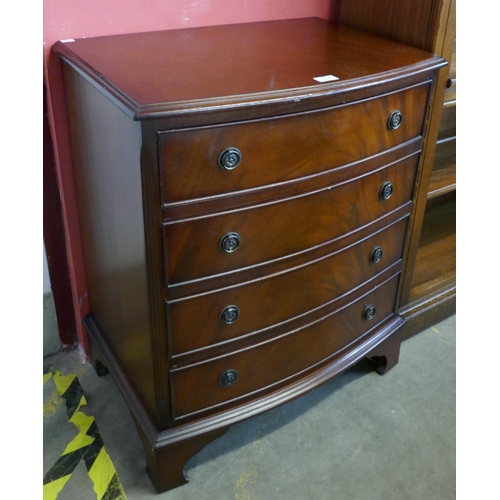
(88,18)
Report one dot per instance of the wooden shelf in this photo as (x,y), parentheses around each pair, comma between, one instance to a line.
(443,177)
(435,267)
(448,125)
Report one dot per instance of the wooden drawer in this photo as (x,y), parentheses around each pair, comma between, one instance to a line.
(279,229)
(279,149)
(259,368)
(269,304)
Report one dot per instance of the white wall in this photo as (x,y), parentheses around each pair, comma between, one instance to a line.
(46,277)
(51,340)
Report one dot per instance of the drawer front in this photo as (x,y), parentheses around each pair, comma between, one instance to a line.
(202,386)
(280,149)
(216,244)
(222,316)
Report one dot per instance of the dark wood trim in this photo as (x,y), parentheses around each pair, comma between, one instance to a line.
(265,101)
(54,236)
(386,354)
(426,313)
(165,466)
(154,261)
(215,110)
(157,440)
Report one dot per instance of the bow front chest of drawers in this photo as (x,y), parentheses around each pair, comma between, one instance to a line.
(245,194)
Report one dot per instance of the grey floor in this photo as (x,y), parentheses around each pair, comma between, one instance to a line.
(360,436)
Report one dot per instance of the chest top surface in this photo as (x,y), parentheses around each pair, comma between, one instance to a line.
(157,73)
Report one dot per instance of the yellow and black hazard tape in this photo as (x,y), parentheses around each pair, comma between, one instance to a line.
(87,446)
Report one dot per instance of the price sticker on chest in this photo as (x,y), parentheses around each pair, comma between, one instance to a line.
(326,78)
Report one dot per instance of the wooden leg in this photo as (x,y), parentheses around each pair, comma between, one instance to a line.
(386,354)
(165,465)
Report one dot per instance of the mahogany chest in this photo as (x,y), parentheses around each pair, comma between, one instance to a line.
(245,194)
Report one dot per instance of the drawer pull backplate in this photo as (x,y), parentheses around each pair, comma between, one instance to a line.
(230,242)
(394,121)
(369,312)
(228,378)
(230,158)
(229,314)
(376,255)
(386,191)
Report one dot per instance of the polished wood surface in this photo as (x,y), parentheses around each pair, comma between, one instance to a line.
(407,22)
(436,262)
(292,225)
(227,202)
(444,173)
(150,114)
(162,73)
(286,295)
(448,125)
(444,169)
(165,465)
(216,282)
(286,356)
(110,211)
(419,315)
(436,267)
(428,25)
(287,148)
(451,82)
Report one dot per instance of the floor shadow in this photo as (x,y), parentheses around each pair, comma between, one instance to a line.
(264,424)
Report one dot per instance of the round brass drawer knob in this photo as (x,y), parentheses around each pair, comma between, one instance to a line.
(229,314)
(369,312)
(228,378)
(386,191)
(395,119)
(376,255)
(230,158)
(230,242)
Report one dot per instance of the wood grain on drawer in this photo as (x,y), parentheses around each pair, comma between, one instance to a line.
(279,229)
(197,387)
(289,147)
(264,306)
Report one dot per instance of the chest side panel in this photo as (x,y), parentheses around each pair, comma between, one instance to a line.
(106,148)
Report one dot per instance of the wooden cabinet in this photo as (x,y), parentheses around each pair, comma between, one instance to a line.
(429,284)
(245,226)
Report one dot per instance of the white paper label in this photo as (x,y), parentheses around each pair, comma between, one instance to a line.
(326,78)
(68,40)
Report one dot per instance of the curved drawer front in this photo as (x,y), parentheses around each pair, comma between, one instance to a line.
(271,231)
(280,149)
(256,369)
(224,315)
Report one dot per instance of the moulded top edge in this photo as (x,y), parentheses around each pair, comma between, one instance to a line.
(166,73)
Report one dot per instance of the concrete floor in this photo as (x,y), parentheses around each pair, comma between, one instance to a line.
(360,436)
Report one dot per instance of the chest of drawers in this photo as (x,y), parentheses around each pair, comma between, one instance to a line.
(244,224)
